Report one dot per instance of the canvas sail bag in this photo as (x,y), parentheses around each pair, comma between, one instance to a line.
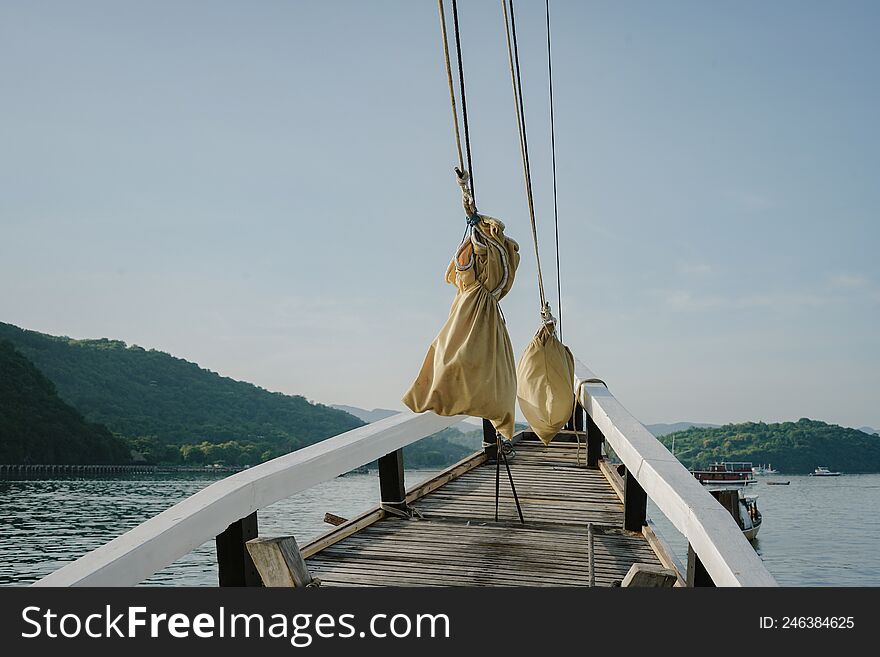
(545,383)
(469,368)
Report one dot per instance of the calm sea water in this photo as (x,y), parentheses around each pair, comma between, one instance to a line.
(816,531)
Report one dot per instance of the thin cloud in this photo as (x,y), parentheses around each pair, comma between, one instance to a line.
(848,281)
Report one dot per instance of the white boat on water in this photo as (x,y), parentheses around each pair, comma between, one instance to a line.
(822,471)
(743,508)
(764,470)
(749,517)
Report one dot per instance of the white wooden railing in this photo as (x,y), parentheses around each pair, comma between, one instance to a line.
(164,538)
(134,556)
(711,531)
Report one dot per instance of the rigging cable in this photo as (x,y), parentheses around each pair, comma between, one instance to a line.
(467,134)
(516,81)
(464,176)
(451,85)
(553,153)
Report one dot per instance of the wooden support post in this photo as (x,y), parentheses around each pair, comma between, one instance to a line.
(649,576)
(579,414)
(490,444)
(280,562)
(696,572)
(635,504)
(234,564)
(697,575)
(392,491)
(595,438)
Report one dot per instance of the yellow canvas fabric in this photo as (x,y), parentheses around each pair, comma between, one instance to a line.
(469,368)
(545,384)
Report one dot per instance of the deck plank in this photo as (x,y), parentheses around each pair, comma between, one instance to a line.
(458,542)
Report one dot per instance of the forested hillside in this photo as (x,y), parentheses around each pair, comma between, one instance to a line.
(792,447)
(172,410)
(36,426)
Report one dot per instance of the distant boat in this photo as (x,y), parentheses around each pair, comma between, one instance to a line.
(823,472)
(778,483)
(726,473)
(764,470)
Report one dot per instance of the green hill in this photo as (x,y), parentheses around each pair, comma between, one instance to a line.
(438,450)
(36,426)
(172,410)
(792,447)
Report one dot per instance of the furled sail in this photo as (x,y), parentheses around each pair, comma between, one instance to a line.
(545,382)
(469,368)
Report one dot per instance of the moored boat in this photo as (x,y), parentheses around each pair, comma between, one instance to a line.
(727,473)
(764,470)
(744,509)
(750,517)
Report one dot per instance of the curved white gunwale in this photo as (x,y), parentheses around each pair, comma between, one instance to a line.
(712,532)
(164,538)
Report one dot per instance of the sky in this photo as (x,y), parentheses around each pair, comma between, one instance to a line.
(266,189)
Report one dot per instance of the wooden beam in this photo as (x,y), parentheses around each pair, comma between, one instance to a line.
(280,562)
(647,575)
(452,472)
(697,575)
(234,565)
(490,444)
(635,503)
(613,477)
(696,571)
(595,440)
(343,531)
(333,519)
(664,552)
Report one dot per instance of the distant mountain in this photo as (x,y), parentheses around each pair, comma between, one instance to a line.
(172,410)
(870,431)
(37,427)
(792,447)
(665,429)
(465,426)
(440,449)
(367,416)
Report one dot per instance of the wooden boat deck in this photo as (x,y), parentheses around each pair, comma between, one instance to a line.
(459,543)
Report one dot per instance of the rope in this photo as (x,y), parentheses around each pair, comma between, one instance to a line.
(401,509)
(467,134)
(499,457)
(449,80)
(516,81)
(464,176)
(553,152)
(591,556)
